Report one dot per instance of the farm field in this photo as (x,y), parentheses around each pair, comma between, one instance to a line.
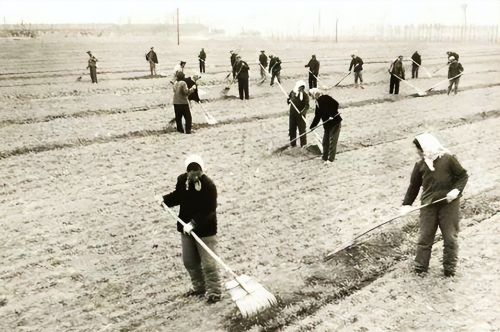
(85,247)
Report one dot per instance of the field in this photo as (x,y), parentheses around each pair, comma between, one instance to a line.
(86,248)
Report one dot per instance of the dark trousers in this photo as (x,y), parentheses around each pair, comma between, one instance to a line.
(445,216)
(414,71)
(182,110)
(330,140)
(93,74)
(313,81)
(277,75)
(243,88)
(394,85)
(296,121)
(454,82)
(202,66)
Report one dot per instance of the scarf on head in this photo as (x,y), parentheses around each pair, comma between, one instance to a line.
(431,148)
(298,84)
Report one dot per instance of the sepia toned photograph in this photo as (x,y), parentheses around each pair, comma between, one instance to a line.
(279,165)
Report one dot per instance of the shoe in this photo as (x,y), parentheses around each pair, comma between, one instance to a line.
(448,273)
(194,293)
(420,272)
(213,298)
(328,162)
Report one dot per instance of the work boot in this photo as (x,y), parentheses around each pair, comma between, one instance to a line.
(194,293)
(420,272)
(449,273)
(213,298)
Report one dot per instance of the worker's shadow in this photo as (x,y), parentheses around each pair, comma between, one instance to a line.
(145,77)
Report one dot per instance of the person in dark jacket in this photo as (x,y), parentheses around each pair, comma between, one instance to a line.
(192,82)
(92,65)
(415,65)
(452,54)
(357,66)
(397,71)
(202,57)
(299,104)
(232,58)
(440,175)
(241,68)
(263,63)
(327,110)
(313,65)
(274,68)
(455,70)
(153,61)
(196,195)
(181,103)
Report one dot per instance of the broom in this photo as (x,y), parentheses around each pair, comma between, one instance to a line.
(250,297)
(441,82)
(353,241)
(320,144)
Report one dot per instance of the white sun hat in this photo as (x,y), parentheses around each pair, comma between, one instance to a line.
(194,158)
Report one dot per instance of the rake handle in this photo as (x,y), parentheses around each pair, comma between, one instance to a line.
(413,86)
(448,79)
(425,69)
(349,73)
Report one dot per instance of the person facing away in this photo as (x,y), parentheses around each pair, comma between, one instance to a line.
(455,70)
(313,65)
(415,65)
(263,66)
(92,65)
(153,61)
(241,68)
(327,110)
(232,58)
(196,194)
(274,68)
(356,66)
(397,71)
(181,103)
(299,104)
(192,82)
(440,175)
(202,57)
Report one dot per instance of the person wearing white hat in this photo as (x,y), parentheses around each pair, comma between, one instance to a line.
(441,176)
(196,195)
(299,99)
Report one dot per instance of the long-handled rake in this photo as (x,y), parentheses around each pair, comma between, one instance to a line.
(210,119)
(441,82)
(318,140)
(419,91)
(353,241)
(228,86)
(420,66)
(343,77)
(324,87)
(250,297)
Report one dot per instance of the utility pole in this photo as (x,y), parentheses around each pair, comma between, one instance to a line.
(464,8)
(178,40)
(336,30)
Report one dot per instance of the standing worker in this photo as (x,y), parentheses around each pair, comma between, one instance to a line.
(241,68)
(440,175)
(454,70)
(153,61)
(416,63)
(274,68)
(397,71)
(232,58)
(263,63)
(297,117)
(92,65)
(179,68)
(196,195)
(202,57)
(181,103)
(357,66)
(313,65)
(327,109)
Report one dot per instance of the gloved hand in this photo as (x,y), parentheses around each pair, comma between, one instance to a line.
(405,209)
(188,228)
(452,195)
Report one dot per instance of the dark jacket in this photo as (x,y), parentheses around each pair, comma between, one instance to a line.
(455,69)
(263,60)
(241,68)
(417,58)
(302,105)
(313,65)
(198,206)
(356,64)
(448,174)
(92,63)
(397,68)
(326,108)
(275,65)
(151,55)
(233,59)
(202,55)
(194,95)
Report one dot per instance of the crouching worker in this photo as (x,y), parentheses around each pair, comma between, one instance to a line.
(197,196)
(440,175)
(327,109)
(297,118)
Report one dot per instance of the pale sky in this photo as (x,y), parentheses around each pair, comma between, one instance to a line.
(261,15)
